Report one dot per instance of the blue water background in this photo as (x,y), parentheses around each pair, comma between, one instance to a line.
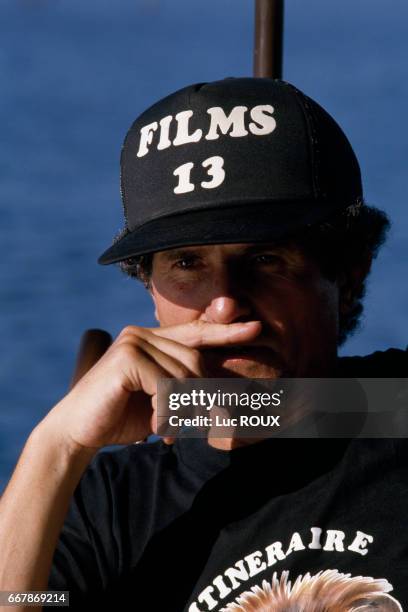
(74,74)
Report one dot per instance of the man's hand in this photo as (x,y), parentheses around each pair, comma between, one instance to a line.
(115,402)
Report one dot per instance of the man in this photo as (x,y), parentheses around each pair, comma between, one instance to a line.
(245,219)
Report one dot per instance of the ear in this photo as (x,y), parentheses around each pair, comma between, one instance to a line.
(351,283)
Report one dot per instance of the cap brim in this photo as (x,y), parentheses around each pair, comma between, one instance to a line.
(236,224)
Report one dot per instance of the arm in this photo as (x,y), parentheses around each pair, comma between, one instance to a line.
(34,505)
(112,404)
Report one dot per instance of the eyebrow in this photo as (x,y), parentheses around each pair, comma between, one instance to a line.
(173,254)
(179,253)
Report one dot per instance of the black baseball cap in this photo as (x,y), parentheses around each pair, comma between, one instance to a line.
(236,160)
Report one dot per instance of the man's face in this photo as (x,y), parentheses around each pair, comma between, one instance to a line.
(280,286)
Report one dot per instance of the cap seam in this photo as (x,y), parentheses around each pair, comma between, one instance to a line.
(307,112)
(123,194)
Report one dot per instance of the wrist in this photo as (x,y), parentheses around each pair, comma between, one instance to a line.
(48,436)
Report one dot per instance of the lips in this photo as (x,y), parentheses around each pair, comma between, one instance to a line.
(262,355)
(255,353)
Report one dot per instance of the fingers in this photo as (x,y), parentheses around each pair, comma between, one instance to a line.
(180,361)
(143,355)
(137,370)
(143,363)
(189,358)
(175,359)
(201,334)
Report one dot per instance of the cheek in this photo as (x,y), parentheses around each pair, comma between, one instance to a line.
(169,312)
(180,301)
(322,306)
(302,311)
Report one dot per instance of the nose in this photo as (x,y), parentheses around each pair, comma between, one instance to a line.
(227,301)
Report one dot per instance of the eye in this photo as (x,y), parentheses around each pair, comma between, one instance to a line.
(187,262)
(268,259)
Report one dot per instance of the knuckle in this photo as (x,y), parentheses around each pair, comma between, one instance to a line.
(130,335)
(196,331)
(127,351)
(196,324)
(129,331)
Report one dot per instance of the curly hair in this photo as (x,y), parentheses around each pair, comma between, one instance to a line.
(348,238)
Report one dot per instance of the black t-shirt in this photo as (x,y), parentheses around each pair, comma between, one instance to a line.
(190,528)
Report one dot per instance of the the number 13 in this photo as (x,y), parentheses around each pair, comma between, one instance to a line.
(215,169)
